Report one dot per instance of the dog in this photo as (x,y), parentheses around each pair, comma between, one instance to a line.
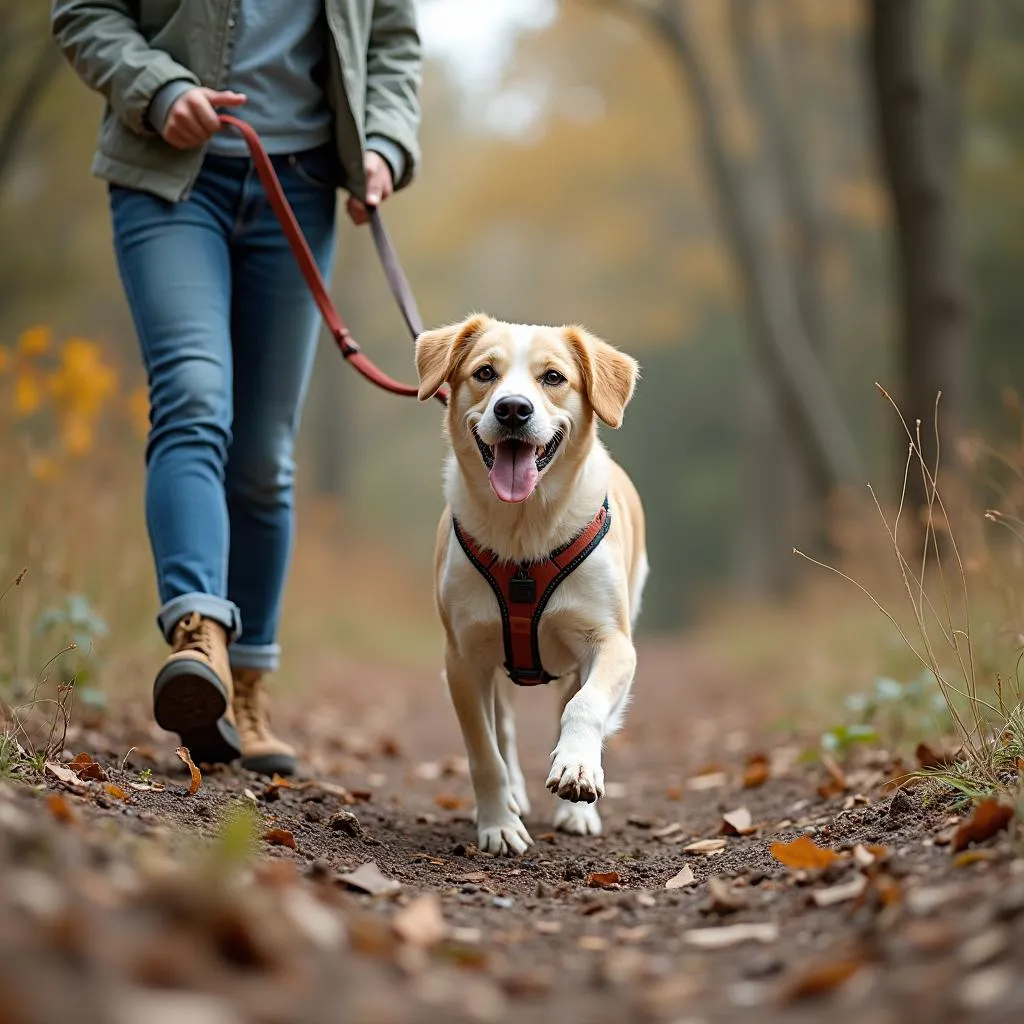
(531,490)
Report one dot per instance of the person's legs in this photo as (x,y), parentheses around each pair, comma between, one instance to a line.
(275,325)
(175,264)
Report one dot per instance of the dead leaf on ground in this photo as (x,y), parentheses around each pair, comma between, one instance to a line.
(966,858)
(421,923)
(836,784)
(731,935)
(681,880)
(60,808)
(821,980)
(197,778)
(707,780)
(707,846)
(756,772)
(114,790)
(547,927)
(866,854)
(602,879)
(472,876)
(368,878)
(87,769)
(723,898)
(840,893)
(928,757)
(65,775)
(147,787)
(989,818)
(803,854)
(668,830)
(738,823)
(280,837)
(450,802)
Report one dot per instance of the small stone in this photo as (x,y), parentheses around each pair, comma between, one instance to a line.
(347,823)
(574,872)
(503,902)
(900,804)
(980,990)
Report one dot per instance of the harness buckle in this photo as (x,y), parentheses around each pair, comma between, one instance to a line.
(522,590)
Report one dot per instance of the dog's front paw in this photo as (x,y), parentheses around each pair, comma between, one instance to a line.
(506,836)
(578,819)
(574,778)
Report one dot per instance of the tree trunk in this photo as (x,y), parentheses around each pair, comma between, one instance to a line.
(919,141)
(24,104)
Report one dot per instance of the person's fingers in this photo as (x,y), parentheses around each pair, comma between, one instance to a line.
(218,98)
(203,114)
(378,179)
(356,211)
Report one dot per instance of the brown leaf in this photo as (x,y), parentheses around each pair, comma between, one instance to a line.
(681,880)
(989,817)
(87,769)
(450,802)
(865,855)
(421,923)
(66,775)
(929,757)
(368,878)
(756,772)
(968,857)
(197,778)
(837,783)
(737,823)
(280,837)
(803,854)
(674,793)
(116,791)
(60,808)
(821,980)
(602,879)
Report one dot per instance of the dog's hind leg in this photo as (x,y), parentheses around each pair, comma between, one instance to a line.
(499,827)
(505,726)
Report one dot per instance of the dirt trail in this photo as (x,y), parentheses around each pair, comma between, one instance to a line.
(113,911)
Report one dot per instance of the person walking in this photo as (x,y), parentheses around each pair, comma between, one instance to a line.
(226,326)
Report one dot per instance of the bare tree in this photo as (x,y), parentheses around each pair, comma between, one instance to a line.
(919,115)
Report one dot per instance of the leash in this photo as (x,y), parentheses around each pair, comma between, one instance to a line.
(400,289)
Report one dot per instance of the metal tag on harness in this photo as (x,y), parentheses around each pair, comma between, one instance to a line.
(522,590)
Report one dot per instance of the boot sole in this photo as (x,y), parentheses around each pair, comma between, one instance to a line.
(190,700)
(270,764)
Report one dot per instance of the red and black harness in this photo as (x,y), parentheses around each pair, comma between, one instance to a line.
(523,590)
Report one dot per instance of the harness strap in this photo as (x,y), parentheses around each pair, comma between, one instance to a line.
(523,590)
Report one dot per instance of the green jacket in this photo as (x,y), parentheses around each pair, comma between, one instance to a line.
(128,49)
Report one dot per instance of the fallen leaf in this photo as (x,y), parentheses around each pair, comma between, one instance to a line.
(706,846)
(968,857)
(674,793)
(710,780)
(450,802)
(723,898)
(836,784)
(738,823)
(731,935)
(547,927)
(87,769)
(280,837)
(821,980)
(368,878)
(472,876)
(66,775)
(112,789)
(929,757)
(756,772)
(840,893)
(594,943)
(867,854)
(602,879)
(60,807)
(421,923)
(803,854)
(682,880)
(197,778)
(147,787)
(428,771)
(989,817)
(668,830)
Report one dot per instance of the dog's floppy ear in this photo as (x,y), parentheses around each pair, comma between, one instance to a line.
(609,376)
(439,352)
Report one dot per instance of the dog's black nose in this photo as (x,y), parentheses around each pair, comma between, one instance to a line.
(513,411)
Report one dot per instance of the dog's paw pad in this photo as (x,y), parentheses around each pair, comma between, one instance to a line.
(505,839)
(578,819)
(576,780)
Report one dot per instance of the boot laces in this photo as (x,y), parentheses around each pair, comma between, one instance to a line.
(197,634)
(250,703)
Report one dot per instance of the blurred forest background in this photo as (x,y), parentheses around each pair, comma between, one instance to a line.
(772,204)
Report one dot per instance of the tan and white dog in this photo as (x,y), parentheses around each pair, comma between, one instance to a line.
(525,474)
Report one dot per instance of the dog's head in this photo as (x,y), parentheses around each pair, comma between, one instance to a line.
(522,397)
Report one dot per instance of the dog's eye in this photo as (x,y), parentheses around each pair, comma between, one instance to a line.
(484,374)
(553,378)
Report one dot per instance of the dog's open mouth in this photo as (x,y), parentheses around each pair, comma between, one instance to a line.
(515,466)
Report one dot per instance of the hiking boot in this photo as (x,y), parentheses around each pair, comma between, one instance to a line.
(262,751)
(192,691)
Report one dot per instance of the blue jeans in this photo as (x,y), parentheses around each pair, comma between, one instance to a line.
(228,333)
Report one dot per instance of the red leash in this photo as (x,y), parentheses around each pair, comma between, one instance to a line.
(353,354)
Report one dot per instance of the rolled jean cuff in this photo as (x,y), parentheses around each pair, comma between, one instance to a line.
(208,606)
(265,657)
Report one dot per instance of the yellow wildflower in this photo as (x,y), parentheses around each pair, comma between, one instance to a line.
(28,392)
(42,468)
(83,381)
(77,434)
(34,341)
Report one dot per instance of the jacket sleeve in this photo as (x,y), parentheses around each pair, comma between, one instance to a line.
(394,67)
(102,42)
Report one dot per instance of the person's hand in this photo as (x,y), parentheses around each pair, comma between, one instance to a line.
(192,119)
(378,187)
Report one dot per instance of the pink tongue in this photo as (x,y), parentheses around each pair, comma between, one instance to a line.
(514,473)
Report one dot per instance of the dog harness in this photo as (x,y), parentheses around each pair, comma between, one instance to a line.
(523,590)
